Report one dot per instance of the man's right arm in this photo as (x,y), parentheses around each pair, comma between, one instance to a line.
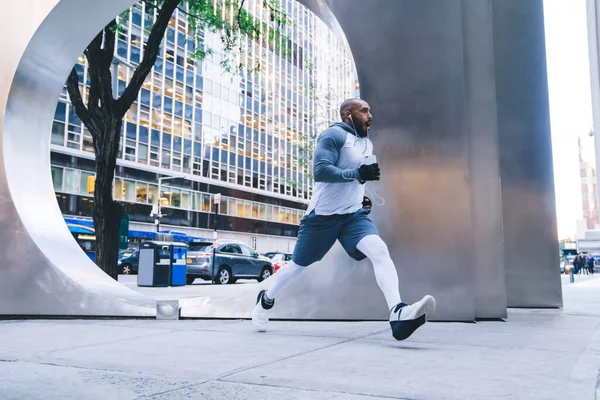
(326,155)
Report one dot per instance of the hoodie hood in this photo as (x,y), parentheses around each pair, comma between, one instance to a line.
(345,127)
(349,129)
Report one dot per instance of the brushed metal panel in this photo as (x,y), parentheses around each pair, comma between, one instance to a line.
(529,210)
(484,169)
(409,58)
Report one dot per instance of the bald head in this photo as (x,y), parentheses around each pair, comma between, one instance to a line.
(349,105)
(357,113)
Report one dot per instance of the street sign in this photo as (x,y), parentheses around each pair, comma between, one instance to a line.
(218,198)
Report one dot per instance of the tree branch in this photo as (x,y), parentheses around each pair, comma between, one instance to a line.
(106,93)
(239,13)
(75,95)
(93,55)
(150,55)
(100,54)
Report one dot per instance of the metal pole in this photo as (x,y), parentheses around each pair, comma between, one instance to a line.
(158,211)
(212,272)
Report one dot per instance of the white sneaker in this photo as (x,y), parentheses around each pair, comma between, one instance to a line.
(405,318)
(260,317)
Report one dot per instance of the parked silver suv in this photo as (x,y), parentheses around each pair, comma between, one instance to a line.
(233,260)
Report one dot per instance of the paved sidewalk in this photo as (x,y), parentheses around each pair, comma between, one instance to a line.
(535,354)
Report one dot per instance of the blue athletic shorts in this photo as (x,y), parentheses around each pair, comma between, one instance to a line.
(318,233)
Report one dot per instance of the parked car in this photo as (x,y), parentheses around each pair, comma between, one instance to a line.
(129,261)
(233,260)
(279,259)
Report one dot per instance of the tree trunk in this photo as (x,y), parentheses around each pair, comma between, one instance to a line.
(107,212)
(103,117)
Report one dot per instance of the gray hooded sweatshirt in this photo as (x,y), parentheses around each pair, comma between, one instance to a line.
(338,155)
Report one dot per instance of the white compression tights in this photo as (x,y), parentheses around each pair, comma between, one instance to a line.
(371,246)
(385,272)
(284,276)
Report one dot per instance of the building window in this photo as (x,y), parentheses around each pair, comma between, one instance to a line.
(83,184)
(129,191)
(153,194)
(141,192)
(58,133)
(57,178)
(175,198)
(88,141)
(118,189)
(165,197)
(71,181)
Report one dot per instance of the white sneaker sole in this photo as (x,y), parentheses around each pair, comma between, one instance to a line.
(260,326)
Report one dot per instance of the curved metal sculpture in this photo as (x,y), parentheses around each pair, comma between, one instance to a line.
(43,270)
(461,128)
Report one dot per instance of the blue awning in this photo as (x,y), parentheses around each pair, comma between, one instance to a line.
(142,234)
(80,229)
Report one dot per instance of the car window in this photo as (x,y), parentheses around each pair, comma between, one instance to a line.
(288,257)
(247,251)
(227,249)
(200,248)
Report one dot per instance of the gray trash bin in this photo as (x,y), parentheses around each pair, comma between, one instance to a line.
(154,264)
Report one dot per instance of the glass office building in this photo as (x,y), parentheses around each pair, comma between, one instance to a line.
(245,135)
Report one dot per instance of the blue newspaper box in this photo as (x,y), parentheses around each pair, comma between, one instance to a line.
(178,264)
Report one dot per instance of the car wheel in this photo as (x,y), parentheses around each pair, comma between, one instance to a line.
(126,269)
(190,279)
(223,276)
(265,273)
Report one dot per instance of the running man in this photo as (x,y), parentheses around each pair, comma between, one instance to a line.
(336,212)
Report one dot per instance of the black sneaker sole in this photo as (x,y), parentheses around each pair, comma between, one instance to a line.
(402,330)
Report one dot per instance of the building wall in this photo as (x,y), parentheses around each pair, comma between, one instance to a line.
(592,20)
(587,172)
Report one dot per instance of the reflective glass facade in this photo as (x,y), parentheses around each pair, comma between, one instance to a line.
(247,132)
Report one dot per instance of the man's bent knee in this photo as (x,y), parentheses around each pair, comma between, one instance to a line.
(373,247)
